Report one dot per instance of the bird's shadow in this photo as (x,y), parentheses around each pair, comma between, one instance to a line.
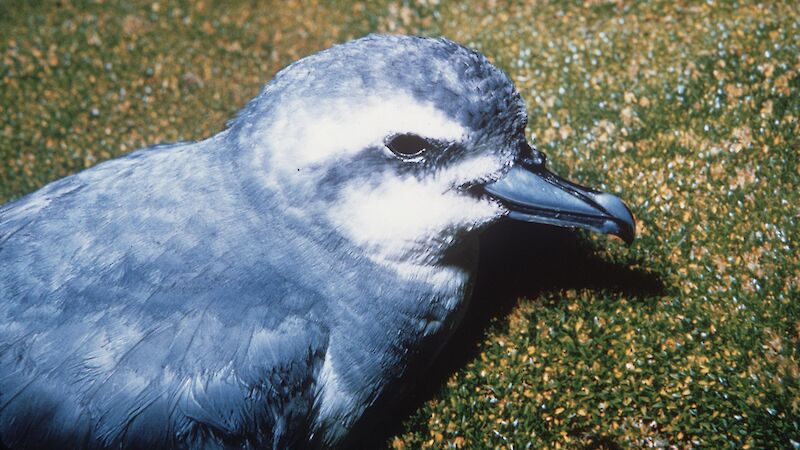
(517,260)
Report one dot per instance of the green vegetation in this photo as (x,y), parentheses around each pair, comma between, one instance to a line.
(688,338)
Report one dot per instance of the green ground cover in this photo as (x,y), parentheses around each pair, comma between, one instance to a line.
(689,111)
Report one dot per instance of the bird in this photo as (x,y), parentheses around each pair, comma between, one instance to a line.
(271,285)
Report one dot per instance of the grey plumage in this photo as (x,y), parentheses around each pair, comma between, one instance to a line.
(202,295)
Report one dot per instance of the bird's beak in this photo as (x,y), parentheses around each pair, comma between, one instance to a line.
(534,194)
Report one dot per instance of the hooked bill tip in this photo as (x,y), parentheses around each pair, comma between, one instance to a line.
(623,224)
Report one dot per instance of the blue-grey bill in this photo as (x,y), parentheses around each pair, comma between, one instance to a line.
(534,194)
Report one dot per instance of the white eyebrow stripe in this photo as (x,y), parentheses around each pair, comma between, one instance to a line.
(300,136)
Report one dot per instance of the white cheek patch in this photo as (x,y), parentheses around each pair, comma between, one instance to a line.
(476,169)
(302,135)
(404,219)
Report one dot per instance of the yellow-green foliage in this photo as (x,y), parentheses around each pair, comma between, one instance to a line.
(689,338)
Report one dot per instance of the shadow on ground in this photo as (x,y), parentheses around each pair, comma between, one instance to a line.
(518,260)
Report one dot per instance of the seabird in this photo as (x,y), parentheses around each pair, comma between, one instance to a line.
(267,286)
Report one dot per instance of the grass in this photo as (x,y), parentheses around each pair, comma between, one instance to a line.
(689,111)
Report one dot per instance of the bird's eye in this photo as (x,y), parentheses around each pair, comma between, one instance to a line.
(406,145)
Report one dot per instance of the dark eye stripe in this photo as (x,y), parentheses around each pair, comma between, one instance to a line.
(406,145)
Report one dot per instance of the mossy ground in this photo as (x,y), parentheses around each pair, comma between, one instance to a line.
(689,111)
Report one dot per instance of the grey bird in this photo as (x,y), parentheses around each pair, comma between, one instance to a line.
(264,288)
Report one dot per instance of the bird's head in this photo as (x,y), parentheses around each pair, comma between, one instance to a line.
(406,147)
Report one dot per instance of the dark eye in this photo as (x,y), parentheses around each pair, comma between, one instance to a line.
(406,145)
